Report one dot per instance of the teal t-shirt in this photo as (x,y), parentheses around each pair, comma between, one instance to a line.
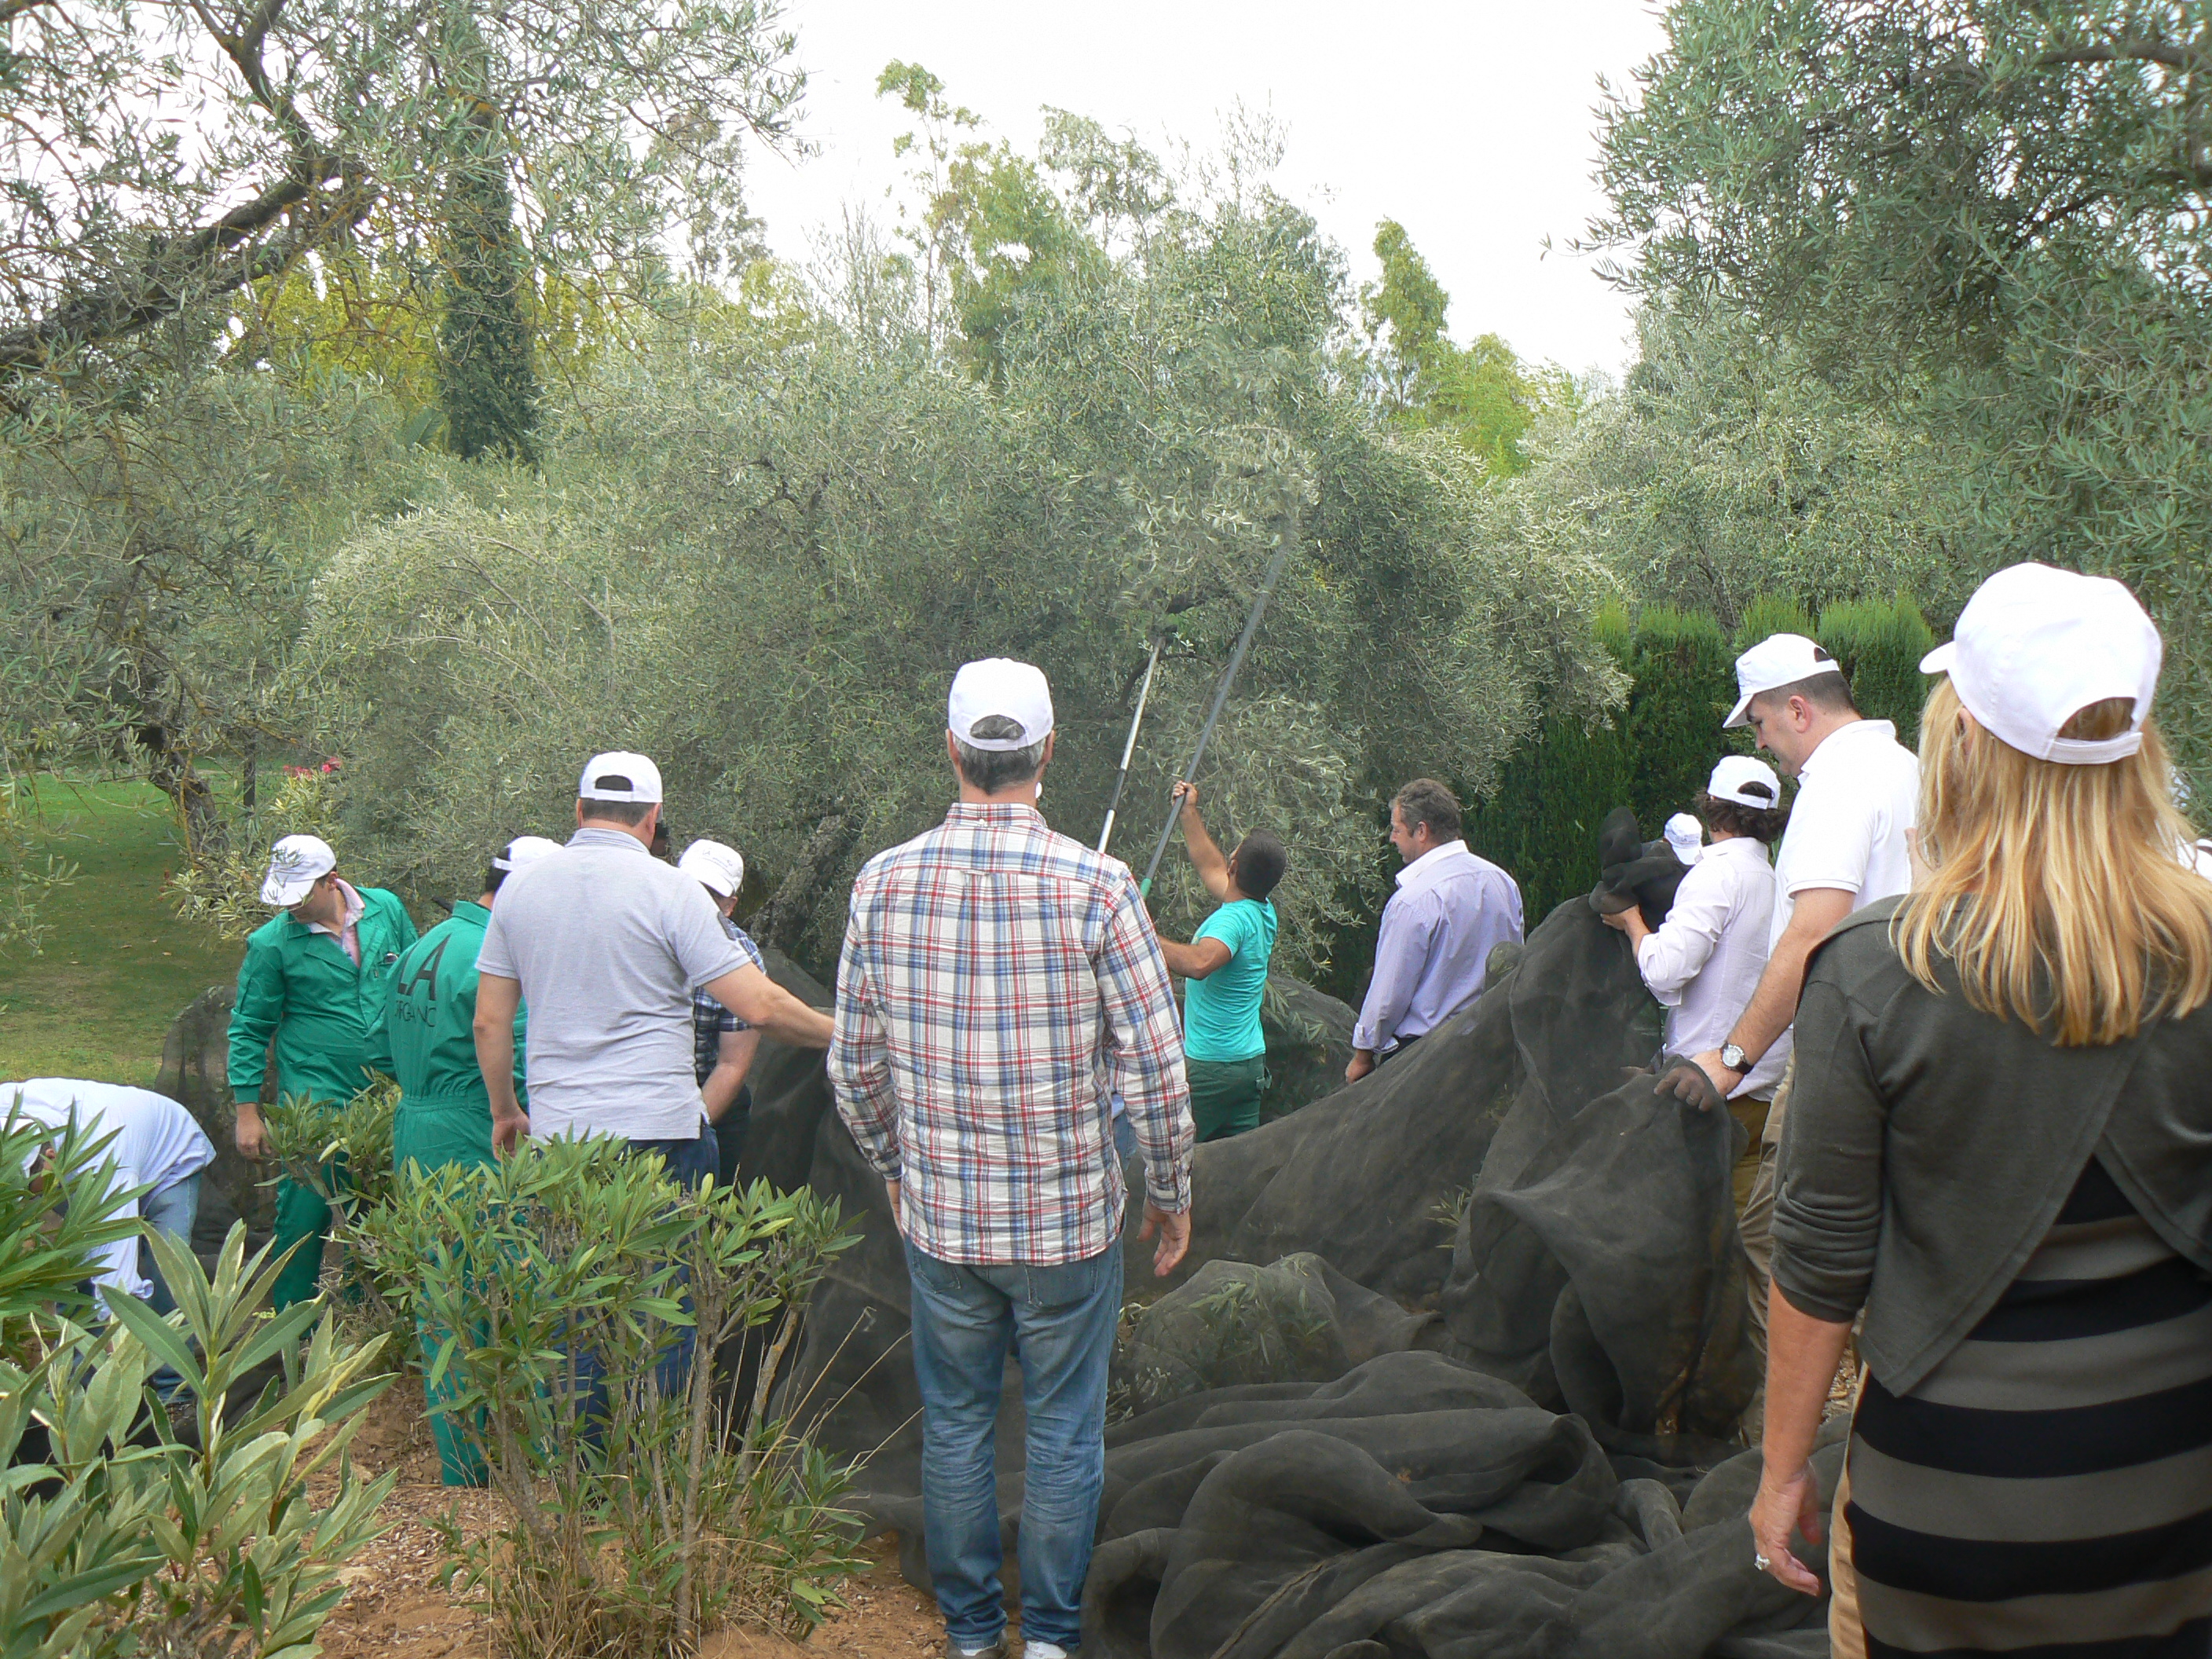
(1221,1013)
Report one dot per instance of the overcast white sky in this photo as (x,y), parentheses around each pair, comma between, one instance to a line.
(1469,123)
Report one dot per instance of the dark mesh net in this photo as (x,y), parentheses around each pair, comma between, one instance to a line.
(1451,1368)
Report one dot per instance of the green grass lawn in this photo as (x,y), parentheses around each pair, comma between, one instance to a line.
(118,966)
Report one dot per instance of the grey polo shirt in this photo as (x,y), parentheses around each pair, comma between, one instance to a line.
(609,944)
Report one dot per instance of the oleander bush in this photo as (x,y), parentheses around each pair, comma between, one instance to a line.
(563,1294)
(128,1527)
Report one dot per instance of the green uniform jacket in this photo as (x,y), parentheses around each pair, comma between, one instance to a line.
(327,1016)
(433,1003)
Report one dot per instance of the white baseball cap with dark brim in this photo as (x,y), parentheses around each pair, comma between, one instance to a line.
(719,869)
(523,850)
(1746,780)
(295,865)
(2036,645)
(1778,660)
(1001,686)
(619,775)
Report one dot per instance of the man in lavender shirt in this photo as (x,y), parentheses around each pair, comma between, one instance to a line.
(1451,909)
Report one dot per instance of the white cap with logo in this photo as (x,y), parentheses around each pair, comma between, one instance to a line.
(295,865)
(1778,660)
(618,775)
(2037,645)
(1686,836)
(524,849)
(1746,780)
(999,685)
(720,870)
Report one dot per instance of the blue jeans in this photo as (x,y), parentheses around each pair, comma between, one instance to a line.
(170,1211)
(1060,1320)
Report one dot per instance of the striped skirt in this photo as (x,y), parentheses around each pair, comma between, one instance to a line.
(2047,1489)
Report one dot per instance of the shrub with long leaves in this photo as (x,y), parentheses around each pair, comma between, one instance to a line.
(127,1531)
(647,1499)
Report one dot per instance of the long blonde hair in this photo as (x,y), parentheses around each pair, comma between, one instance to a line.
(2058,892)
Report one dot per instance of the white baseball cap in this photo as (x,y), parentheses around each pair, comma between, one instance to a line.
(999,685)
(2036,645)
(719,869)
(1686,836)
(524,849)
(295,865)
(1746,780)
(619,775)
(1776,660)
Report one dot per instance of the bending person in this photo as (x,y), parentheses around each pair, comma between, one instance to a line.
(1705,961)
(1224,1052)
(1999,1152)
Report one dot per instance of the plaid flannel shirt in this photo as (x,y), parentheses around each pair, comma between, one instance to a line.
(709,1019)
(999,985)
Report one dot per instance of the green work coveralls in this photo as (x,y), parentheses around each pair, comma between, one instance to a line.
(328,1019)
(445,1112)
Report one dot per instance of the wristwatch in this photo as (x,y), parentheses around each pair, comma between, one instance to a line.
(1735,1058)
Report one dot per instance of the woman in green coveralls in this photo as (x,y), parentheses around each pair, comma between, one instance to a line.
(443,1116)
(313,980)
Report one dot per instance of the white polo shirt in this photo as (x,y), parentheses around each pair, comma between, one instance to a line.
(1857,795)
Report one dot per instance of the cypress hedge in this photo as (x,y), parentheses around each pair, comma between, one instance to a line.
(1879,646)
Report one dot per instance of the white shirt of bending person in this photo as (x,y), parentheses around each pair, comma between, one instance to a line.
(157,1144)
(1703,963)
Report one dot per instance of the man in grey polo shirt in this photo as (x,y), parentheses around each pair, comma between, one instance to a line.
(607,945)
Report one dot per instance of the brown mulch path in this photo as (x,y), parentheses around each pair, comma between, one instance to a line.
(394,1609)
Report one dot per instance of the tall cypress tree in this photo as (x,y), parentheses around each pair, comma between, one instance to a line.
(487,371)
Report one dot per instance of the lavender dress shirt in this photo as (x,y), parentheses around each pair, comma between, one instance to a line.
(1451,909)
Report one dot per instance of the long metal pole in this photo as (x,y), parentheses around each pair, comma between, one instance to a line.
(1128,749)
(1283,547)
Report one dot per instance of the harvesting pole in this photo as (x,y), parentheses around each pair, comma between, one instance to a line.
(1287,540)
(1128,749)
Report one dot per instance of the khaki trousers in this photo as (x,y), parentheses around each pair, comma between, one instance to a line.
(1846,1634)
(1757,1221)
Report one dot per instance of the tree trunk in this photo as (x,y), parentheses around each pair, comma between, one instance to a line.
(782,920)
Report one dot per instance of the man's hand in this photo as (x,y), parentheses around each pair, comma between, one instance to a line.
(892,1189)
(1363,1062)
(1186,795)
(1717,1074)
(508,1130)
(251,1134)
(1629,921)
(1174,1237)
(1689,1082)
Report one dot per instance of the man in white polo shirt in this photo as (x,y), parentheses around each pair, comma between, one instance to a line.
(607,944)
(1858,793)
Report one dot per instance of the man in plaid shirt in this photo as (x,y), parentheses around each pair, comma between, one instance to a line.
(999,984)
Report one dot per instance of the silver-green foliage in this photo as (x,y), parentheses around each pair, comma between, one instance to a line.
(551,1287)
(1722,469)
(763,566)
(1988,224)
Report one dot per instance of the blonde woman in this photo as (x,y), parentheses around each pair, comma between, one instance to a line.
(2000,1150)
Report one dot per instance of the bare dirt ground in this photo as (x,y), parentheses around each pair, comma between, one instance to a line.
(394,1608)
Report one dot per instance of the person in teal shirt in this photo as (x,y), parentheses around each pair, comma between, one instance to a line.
(1226,1054)
(444,1115)
(313,982)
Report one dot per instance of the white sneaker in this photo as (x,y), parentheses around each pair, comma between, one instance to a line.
(1043,1650)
